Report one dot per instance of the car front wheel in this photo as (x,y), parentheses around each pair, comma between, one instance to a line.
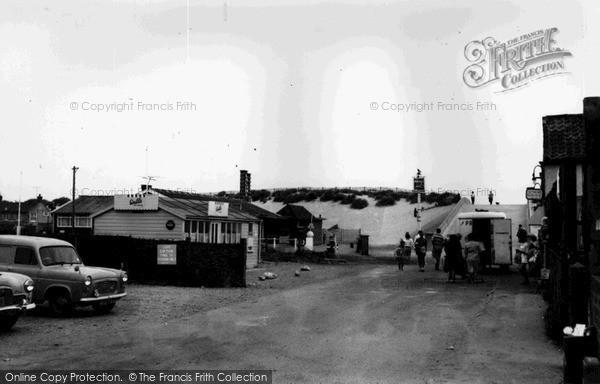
(61,304)
(103,308)
(6,323)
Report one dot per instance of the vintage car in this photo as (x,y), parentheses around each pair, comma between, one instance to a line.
(15,298)
(59,275)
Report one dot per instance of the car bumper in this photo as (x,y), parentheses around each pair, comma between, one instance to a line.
(19,308)
(90,300)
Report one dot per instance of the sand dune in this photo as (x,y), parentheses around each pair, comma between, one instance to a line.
(385,225)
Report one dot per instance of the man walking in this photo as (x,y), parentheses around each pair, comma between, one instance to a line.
(473,197)
(521,234)
(491,197)
(421,249)
(437,244)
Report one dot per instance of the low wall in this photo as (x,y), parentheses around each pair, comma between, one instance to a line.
(197,264)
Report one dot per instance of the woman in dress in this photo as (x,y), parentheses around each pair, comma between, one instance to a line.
(472,250)
(409,244)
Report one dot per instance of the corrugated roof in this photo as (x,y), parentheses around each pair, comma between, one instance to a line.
(181,207)
(87,205)
(240,205)
(564,137)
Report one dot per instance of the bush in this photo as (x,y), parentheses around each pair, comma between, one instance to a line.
(348,199)
(261,194)
(386,201)
(339,197)
(359,204)
(294,198)
(311,196)
(327,195)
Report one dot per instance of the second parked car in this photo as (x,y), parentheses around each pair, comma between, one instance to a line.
(15,298)
(59,274)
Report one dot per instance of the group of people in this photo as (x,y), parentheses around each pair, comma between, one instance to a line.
(462,261)
(529,251)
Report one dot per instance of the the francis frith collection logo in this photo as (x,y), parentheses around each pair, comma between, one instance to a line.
(516,62)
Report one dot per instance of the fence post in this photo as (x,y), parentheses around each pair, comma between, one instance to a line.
(242,262)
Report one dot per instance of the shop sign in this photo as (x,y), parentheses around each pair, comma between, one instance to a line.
(166,254)
(218,208)
(136,202)
(534,194)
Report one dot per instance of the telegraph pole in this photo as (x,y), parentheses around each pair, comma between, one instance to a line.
(73,201)
(19,212)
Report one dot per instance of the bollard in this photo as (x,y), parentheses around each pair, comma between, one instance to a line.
(591,370)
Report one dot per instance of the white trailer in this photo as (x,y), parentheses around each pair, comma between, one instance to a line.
(493,230)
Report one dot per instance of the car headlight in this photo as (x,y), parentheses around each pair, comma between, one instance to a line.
(28,285)
(124,277)
(88,281)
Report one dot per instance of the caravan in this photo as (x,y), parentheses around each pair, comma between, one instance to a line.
(493,231)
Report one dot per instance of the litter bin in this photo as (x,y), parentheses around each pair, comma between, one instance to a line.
(575,348)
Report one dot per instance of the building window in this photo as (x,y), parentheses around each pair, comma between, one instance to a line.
(250,229)
(83,222)
(32,217)
(80,221)
(63,221)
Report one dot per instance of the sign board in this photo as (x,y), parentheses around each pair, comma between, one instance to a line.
(166,254)
(419,184)
(218,208)
(534,194)
(136,202)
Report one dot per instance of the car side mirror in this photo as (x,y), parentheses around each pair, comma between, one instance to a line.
(77,268)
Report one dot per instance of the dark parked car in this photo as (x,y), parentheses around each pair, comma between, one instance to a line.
(15,298)
(59,274)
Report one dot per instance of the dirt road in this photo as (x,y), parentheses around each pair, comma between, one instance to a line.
(369,324)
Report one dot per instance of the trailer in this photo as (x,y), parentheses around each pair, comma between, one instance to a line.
(493,231)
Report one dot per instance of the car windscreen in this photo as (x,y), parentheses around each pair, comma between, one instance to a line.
(59,255)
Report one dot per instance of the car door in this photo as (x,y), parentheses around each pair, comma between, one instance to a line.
(25,262)
(7,256)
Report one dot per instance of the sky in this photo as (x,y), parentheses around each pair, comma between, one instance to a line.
(299,93)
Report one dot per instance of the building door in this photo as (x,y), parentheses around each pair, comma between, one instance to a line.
(214,232)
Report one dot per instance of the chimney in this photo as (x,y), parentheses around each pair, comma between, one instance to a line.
(39,198)
(144,187)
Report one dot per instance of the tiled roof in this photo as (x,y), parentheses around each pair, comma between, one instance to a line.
(564,137)
(13,206)
(87,205)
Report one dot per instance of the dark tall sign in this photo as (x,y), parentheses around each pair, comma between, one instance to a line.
(244,184)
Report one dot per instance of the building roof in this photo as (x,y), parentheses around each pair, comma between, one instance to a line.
(564,137)
(87,205)
(185,208)
(297,212)
(240,205)
(13,206)
(198,209)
